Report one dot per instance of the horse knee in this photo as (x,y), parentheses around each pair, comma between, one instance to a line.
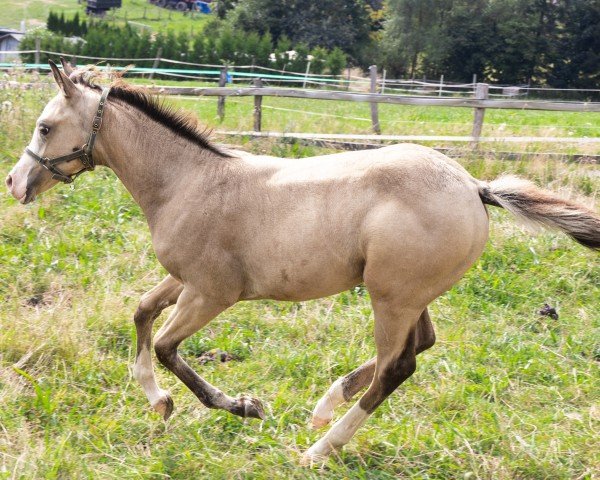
(146,311)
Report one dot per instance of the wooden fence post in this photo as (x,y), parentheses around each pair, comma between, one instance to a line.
(258,106)
(306,74)
(481,93)
(37,51)
(347,78)
(221,100)
(156,62)
(374,109)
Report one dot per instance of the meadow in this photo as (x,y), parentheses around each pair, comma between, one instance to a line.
(139,12)
(505,393)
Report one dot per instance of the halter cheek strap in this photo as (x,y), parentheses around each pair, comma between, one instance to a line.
(84,154)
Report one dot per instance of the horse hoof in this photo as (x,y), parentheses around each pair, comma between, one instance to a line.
(251,407)
(313,459)
(316,422)
(317,454)
(164,406)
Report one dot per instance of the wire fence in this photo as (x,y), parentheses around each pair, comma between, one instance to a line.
(182,70)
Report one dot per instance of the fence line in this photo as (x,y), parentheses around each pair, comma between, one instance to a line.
(382,98)
(479,104)
(321,79)
(177,72)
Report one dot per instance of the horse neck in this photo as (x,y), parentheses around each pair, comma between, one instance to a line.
(151,161)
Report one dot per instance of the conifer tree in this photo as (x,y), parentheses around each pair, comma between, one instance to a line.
(75,30)
(51,22)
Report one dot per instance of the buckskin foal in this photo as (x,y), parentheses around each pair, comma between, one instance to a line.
(229,226)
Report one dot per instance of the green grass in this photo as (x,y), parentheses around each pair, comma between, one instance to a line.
(504,394)
(35,13)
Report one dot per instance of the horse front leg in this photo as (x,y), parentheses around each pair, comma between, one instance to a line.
(192,312)
(151,305)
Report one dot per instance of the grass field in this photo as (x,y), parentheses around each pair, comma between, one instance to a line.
(505,393)
(140,12)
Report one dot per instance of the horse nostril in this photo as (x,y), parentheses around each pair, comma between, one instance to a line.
(9,181)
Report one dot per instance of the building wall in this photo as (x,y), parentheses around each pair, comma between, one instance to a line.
(8,43)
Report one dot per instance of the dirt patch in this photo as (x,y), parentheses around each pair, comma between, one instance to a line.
(215,355)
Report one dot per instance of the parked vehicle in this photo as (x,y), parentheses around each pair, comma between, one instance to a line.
(100,7)
(183,5)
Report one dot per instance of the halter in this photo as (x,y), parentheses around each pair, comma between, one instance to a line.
(84,154)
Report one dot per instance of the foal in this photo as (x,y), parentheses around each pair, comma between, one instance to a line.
(229,226)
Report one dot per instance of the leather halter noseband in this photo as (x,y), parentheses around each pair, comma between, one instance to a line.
(84,154)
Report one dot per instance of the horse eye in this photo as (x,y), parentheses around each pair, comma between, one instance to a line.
(44,130)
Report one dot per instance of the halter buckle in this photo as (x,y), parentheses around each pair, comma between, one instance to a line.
(86,158)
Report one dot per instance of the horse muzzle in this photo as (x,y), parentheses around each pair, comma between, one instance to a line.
(24,185)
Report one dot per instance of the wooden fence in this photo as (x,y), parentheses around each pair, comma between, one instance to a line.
(479,103)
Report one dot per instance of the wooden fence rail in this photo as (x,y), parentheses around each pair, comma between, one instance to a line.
(380,98)
(480,103)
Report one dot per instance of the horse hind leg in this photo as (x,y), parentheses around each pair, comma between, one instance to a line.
(396,341)
(344,388)
(151,305)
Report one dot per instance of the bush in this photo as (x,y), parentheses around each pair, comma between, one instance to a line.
(336,61)
(223,45)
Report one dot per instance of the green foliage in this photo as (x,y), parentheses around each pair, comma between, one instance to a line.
(48,41)
(577,60)
(514,41)
(336,61)
(225,45)
(73,27)
(327,23)
(223,7)
(542,42)
(284,45)
(319,60)
(299,59)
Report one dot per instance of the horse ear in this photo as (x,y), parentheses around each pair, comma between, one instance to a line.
(66,67)
(65,84)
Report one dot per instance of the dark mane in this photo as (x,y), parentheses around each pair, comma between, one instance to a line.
(178,121)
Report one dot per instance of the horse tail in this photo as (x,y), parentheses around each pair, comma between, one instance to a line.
(534,205)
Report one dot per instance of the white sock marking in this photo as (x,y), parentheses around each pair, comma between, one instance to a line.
(144,373)
(340,434)
(323,412)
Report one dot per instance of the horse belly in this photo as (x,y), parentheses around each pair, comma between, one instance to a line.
(299,270)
